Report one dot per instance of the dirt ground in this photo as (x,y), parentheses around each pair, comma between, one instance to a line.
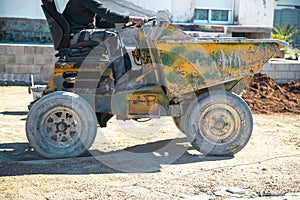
(150,160)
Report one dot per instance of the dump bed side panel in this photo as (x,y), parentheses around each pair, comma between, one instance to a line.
(191,66)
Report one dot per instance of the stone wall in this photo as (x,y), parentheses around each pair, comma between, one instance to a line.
(19,30)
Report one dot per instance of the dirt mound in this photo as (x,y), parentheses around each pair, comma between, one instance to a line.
(293,87)
(265,96)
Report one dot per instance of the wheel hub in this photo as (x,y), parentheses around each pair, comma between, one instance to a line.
(218,123)
(61,126)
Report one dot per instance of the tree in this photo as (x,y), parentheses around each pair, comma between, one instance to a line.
(286,33)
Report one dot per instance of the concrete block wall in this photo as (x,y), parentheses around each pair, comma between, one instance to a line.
(282,70)
(18,62)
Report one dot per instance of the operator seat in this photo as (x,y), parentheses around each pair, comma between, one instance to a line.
(61,33)
(58,25)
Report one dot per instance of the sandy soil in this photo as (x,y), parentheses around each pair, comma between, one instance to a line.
(151,160)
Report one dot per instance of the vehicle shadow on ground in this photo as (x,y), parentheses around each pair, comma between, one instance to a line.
(21,159)
(14,113)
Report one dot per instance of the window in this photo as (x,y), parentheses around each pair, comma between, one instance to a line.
(201,14)
(214,11)
(213,16)
(219,15)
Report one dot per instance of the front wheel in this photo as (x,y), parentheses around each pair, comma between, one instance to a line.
(60,125)
(218,123)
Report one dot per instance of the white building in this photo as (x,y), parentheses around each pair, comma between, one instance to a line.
(250,18)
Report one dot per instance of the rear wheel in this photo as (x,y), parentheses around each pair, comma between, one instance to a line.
(61,124)
(219,123)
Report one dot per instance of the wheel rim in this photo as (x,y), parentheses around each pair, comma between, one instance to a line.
(62,127)
(219,123)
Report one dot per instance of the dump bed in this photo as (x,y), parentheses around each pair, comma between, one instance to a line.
(191,64)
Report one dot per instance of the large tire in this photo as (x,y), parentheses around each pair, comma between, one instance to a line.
(61,125)
(218,123)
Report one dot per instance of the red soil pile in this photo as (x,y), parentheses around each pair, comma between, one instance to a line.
(265,96)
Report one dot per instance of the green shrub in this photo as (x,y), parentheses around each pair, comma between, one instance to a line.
(287,33)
